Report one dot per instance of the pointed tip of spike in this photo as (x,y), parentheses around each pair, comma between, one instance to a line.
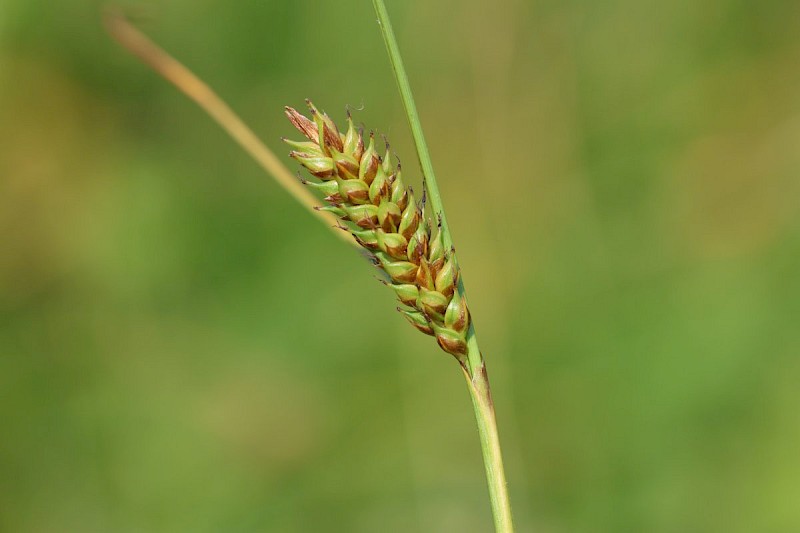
(311,106)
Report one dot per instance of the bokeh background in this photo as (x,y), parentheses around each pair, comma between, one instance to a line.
(184,348)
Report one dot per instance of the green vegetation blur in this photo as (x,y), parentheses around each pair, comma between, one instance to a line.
(184,348)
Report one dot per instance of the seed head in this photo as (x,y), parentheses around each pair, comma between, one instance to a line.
(380,212)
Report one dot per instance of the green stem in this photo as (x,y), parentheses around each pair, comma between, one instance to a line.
(481,395)
(474,367)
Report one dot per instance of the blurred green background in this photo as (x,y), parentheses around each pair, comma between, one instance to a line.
(184,348)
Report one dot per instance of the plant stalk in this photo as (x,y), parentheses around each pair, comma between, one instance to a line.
(473,364)
(481,395)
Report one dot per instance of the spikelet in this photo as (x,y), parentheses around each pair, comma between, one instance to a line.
(380,212)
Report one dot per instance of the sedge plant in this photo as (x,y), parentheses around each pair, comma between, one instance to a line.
(366,198)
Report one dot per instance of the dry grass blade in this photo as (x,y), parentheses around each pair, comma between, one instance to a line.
(182,78)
